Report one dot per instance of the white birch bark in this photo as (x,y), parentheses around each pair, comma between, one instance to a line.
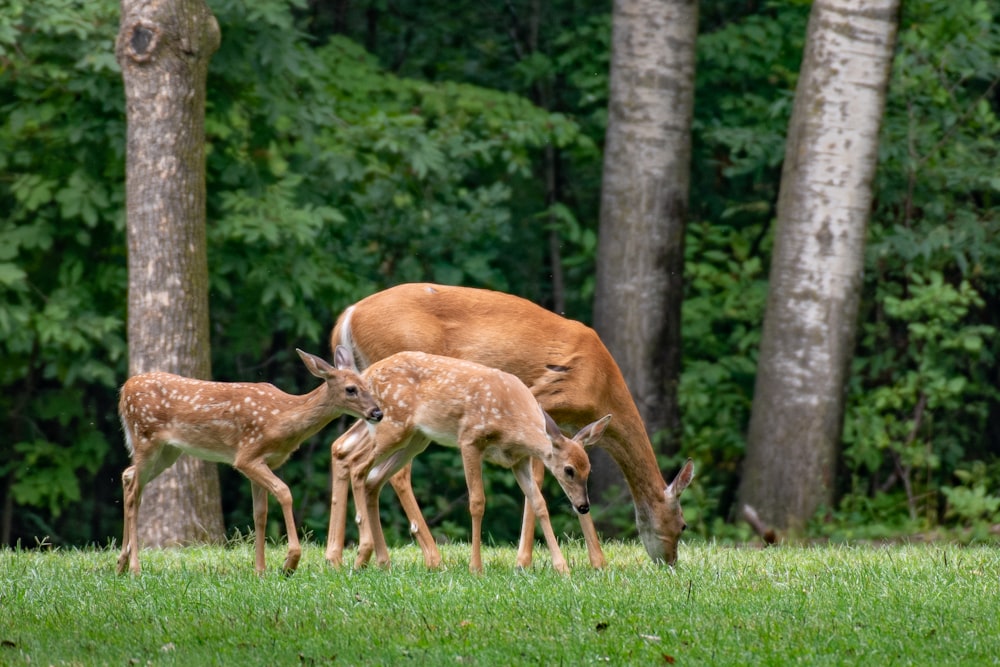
(644,199)
(816,270)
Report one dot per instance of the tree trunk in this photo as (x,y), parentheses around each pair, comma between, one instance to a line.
(164,49)
(816,269)
(644,198)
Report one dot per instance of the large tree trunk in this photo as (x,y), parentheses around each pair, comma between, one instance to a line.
(816,269)
(164,49)
(644,198)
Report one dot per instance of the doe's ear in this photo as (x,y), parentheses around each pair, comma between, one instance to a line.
(316,366)
(343,358)
(682,479)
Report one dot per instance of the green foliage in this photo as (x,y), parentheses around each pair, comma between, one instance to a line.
(549,53)
(723,307)
(745,84)
(399,180)
(937,207)
(401,166)
(911,428)
(924,391)
(973,503)
(584,58)
(62,275)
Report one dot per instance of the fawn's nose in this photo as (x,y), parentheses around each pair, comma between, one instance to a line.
(375,415)
(583,508)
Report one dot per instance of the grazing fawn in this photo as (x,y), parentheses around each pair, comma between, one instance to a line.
(253,427)
(485,413)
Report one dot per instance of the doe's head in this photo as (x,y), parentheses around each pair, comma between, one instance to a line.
(660,526)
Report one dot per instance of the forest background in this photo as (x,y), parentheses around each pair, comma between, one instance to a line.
(352,146)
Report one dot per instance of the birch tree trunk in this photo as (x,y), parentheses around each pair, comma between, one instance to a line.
(164,47)
(816,269)
(644,199)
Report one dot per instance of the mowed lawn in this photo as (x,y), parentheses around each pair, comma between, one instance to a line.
(934,604)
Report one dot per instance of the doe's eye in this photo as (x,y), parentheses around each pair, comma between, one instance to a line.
(570,472)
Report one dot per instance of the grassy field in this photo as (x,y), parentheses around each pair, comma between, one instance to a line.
(835,605)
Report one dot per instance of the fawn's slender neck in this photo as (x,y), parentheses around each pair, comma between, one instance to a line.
(305,415)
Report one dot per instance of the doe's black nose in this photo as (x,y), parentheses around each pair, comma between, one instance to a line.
(583,509)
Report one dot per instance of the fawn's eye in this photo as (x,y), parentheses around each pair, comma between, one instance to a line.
(352,391)
(569,471)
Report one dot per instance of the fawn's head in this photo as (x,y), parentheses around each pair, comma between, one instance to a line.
(346,389)
(568,461)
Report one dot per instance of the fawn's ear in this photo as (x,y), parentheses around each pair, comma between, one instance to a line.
(552,429)
(343,359)
(592,432)
(316,366)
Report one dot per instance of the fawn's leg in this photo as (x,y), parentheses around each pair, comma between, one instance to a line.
(374,523)
(259,473)
(366,542)
(148,461)
(259,495)
(472,460)
(129,556)
(526,480)
(594,551)
(403,486)
(340,476)
(366,485)
(342,451)
(406,448)
(527,542)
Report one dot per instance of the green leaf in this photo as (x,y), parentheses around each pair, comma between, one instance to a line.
(11,274)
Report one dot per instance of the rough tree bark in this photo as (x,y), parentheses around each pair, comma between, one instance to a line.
(644,200)
(816,268)
(164,47)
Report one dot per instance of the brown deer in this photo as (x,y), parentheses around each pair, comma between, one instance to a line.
(563,362)
(253,427)
(485,413)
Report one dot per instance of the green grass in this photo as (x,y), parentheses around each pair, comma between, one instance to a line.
(833,605)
